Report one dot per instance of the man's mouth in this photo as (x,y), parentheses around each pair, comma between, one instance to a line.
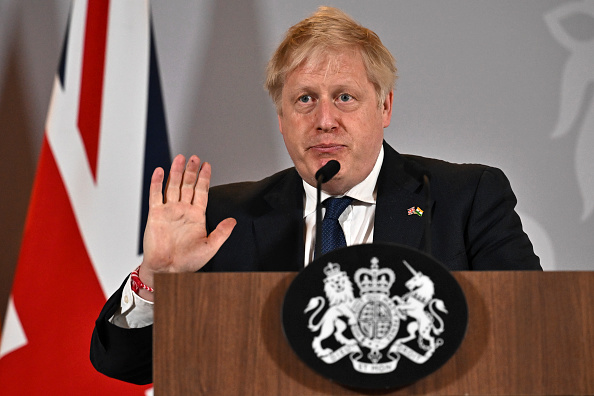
(327,148)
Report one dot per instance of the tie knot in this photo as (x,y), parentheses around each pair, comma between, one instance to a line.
(335,207)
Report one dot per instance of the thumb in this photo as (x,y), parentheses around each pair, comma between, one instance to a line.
(221,233)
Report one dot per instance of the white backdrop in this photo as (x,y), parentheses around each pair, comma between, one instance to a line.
(506,83)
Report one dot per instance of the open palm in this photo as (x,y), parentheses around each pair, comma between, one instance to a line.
(176,239)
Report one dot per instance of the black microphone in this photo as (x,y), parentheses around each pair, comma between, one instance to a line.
(423,176)
(427,214)
(323,175)
(327,172)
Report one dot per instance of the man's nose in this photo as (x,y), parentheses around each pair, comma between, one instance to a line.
(326,116)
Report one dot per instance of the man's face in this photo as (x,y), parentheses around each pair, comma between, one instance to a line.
(330,111)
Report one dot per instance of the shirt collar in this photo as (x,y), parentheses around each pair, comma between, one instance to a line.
(362,192)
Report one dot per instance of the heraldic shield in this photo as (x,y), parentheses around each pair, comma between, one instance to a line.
(375,316)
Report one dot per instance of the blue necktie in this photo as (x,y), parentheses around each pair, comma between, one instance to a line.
(332,234)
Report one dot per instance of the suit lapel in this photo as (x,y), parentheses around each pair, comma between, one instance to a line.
(279,231)
(400,188)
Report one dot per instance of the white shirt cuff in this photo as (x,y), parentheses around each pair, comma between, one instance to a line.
(134,311)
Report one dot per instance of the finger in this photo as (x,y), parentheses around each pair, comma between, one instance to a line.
(214,242)
(189,179)
(156,188)
(221,233)
(175,177)
(202,186)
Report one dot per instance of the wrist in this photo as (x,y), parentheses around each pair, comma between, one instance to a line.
(146,275)
(138,284)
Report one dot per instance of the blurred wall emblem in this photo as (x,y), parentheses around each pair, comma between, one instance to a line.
(575,103)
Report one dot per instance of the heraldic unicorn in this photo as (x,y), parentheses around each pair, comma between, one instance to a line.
(374,318)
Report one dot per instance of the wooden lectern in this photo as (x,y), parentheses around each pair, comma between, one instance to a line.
(220,334)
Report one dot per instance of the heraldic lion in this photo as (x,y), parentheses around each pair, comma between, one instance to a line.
(339,292)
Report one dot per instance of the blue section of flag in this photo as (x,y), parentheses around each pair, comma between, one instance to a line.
(156,152)
(62,65)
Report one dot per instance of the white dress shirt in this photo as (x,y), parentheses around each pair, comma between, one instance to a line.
(356,221)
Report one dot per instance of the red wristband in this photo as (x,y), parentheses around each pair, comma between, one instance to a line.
(137,284)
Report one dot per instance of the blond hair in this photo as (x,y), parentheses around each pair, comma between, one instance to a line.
(330,29)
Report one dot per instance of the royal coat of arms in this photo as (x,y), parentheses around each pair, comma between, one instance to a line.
(368,327)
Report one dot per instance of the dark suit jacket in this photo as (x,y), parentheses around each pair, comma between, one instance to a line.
(474,227)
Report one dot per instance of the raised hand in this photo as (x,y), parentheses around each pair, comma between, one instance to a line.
(176,239)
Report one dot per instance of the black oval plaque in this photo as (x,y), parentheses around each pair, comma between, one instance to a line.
(375,316)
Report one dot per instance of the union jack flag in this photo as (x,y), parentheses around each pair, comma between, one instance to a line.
(105,133)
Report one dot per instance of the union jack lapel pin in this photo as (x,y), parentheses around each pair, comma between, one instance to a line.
(415,210)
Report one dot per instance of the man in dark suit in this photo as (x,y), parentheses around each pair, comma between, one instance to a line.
(332,83)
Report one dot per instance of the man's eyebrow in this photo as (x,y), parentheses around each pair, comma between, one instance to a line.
(300,88)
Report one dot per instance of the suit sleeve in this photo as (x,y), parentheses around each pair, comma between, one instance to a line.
(124,354)
(495,235)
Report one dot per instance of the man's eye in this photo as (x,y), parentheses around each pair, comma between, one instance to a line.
(345,97)
(305,99)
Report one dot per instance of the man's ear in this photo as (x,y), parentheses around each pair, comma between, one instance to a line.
(387,108)
(280,123)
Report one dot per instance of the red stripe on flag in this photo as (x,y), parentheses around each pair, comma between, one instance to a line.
(91,89)
(57,297)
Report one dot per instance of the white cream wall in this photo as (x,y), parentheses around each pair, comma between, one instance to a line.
(480,81)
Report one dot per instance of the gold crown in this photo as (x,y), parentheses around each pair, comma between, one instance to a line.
(374,280)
